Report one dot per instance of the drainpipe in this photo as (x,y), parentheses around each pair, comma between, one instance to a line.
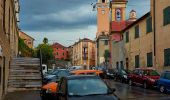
(154,30)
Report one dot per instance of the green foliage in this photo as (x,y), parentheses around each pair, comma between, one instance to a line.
(45,40)
(24,49)
(106,54)
(46,51)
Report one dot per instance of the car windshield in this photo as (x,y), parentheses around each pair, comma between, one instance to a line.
(86,86)
(150,73)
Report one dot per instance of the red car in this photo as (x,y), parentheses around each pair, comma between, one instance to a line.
(145,77)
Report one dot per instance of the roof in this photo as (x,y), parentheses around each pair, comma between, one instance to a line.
(27,35)
(83,40)
(137,21)
(86,71)
(58,44)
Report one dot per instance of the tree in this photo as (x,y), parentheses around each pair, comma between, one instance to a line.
(24,49)
(45,40)
(106,56)
(46,51)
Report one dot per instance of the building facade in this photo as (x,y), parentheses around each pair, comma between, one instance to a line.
(138,39)
(60,52)
(8,39)
(160,11)
(84,53)
(143,42)
(28,40)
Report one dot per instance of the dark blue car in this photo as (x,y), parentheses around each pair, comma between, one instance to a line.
(164,82)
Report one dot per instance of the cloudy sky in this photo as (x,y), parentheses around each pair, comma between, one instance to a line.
(65,21)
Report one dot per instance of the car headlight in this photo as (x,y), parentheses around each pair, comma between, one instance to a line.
(125,76)
(48,91)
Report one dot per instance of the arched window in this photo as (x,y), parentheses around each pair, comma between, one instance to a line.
(166,14)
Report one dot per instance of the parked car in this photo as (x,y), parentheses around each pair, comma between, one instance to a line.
(50,83)
(164,82)
(84,87)
(121,75)
(55,75)
(144,77)
(110,73)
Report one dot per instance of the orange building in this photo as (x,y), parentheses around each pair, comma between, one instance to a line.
(29,41)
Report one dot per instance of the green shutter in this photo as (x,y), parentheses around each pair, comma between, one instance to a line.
(127,37)
(166,14)
(137,31)
(149,25)
(167,57)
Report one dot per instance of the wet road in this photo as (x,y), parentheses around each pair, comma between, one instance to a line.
(126,92)
(123,91)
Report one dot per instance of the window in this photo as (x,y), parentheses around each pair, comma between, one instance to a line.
(149,25)
(137,61)
(57,53)
(63,54)
(149,59)
(127,37)
(121,65)
(167,57)
(106,42)
(117,65)
(63,48)
(137,31)
(103,1)
(166,15)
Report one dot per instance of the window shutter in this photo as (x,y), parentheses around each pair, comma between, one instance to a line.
(166,14)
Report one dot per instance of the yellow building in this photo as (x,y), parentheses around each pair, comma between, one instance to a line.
(9,10)
(147,41)
(160,10)
(84,53)
(29,41)
(138,39)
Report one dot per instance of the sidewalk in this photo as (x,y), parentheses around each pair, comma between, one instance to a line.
(23,95)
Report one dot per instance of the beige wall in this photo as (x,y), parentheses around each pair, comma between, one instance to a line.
(78,54)
(139,46)
(8,40)
(101,50)
(162,33)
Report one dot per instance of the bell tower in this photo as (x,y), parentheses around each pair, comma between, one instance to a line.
(118,11)
(103,17)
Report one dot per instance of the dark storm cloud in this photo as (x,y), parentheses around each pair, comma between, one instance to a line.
(49,15)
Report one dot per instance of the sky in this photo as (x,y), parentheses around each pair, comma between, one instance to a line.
(65,21)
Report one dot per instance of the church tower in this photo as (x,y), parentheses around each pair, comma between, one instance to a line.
(103,17)
(118,11)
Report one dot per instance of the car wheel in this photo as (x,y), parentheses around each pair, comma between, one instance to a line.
(162,89)
(145,85)
(130,82)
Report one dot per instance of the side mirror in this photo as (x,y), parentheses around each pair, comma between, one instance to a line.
(112,90)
